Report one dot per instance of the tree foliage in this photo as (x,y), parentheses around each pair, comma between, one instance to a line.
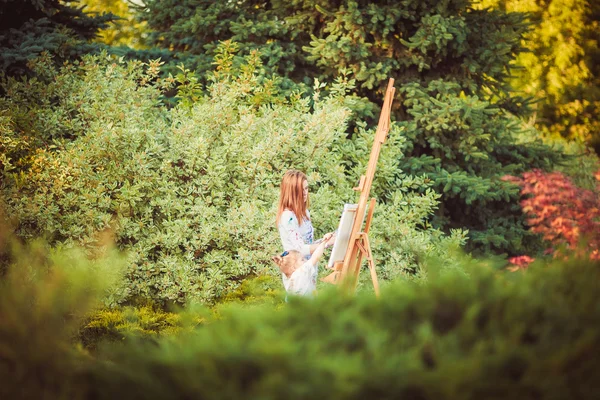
(124,31)
(562,68)
(450,61)
(463,144)
(31,27)
(411,41)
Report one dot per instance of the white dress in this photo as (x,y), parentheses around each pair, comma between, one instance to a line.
(297,236)
(303,281)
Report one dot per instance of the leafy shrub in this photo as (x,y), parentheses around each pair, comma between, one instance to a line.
(259,290)
(486,335)
(45,295)
(120,323)
(561,212)
(150,323)
(43,113)
(190,192)
(453,337)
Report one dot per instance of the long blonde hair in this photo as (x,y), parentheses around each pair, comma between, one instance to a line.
(291,195)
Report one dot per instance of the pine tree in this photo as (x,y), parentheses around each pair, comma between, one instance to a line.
(30,27)
(193,29)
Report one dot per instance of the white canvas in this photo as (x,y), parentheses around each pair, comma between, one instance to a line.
(343,234)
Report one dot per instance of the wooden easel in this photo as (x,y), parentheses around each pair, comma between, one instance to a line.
(347,271)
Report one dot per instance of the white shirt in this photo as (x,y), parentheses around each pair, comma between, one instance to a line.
(294,235)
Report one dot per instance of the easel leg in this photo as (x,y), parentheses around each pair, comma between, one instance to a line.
(371,263)
(357,261)
(349,274)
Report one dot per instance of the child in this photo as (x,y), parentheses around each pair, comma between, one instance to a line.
(300,275)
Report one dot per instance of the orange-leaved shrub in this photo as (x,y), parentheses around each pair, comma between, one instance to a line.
(564,214)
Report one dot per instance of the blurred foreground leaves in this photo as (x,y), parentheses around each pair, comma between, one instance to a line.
(485,334)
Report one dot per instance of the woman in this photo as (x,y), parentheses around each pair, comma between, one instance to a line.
(293,218)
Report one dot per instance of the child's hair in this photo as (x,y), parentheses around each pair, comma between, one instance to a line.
(291,196)
(279,260)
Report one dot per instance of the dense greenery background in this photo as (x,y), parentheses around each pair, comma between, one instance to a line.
(141,149)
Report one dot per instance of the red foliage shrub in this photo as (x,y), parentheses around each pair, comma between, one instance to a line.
(520,262)
(564,214)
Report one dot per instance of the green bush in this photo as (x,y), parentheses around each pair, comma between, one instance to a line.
(191,192)
(583,163)
(120,323)
(529,334)
(149,323)
(45,297)
(485,336)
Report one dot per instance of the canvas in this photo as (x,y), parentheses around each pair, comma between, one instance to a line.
(343,233)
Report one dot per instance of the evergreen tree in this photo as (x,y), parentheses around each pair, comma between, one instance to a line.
(451,63)
(410,40)
(193,30)
(30,27)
